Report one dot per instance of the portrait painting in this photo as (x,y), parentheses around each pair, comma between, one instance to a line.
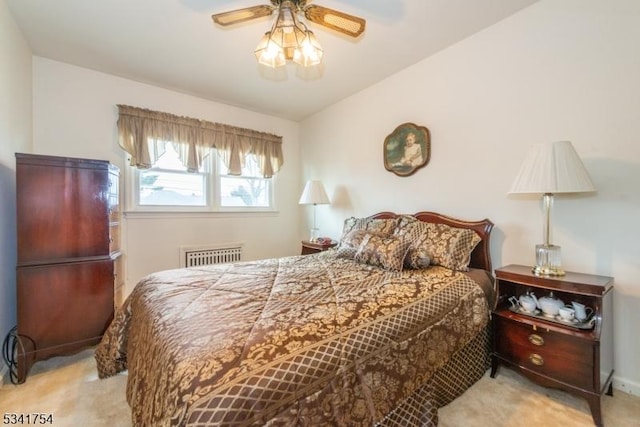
(407,149)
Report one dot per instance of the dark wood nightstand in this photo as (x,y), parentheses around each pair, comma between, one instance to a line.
(313,247)
(577,358)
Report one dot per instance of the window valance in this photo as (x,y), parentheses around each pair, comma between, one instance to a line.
(143,133)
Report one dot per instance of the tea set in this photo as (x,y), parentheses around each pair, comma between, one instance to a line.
(551,307)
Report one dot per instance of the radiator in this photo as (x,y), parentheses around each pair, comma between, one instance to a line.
(194,256)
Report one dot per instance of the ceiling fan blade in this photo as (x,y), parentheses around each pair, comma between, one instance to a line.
(241,15)
(336,20)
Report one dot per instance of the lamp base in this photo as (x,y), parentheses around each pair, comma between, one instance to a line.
(313,235)
(548,261)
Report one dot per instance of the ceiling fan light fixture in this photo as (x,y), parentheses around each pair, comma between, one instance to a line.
(289,38)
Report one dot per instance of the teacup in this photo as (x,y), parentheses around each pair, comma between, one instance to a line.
(581,311)
(567,313)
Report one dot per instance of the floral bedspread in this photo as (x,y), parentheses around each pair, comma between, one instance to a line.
(304,340)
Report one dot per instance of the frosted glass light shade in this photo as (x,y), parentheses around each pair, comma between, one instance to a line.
(309,52)
(270,53)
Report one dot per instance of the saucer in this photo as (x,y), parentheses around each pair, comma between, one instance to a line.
(534,312)
(574,320)
(550,316)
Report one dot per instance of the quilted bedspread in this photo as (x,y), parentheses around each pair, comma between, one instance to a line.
(303,340)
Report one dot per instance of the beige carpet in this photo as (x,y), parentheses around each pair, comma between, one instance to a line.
(69,388)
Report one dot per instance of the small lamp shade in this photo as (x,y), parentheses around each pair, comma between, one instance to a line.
(314,194)
(554,168)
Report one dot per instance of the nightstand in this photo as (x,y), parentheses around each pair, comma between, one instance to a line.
(578,357)
(312,247)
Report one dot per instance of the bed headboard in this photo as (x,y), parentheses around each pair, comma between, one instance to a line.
(480,257)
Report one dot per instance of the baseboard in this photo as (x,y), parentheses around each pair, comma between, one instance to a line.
(627,386)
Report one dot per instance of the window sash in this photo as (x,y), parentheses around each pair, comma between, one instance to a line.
(174,186)
(213,189)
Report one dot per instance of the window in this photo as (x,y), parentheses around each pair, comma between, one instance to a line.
(167,186)
(159,144)
(248,190)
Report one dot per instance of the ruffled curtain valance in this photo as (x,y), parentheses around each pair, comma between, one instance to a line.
(143,134)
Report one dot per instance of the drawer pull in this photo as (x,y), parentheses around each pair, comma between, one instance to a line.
(536,339)
(536,359)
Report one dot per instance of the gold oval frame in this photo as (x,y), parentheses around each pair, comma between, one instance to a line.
(398,157)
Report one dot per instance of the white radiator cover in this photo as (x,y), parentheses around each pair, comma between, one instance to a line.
(194,256)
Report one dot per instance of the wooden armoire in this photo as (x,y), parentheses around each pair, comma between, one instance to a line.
(69,262)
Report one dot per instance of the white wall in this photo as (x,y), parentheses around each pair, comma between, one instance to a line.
(75,115)
(557,70)
(15,136)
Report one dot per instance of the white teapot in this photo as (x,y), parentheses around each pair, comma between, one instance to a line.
(550,305)
(526,302)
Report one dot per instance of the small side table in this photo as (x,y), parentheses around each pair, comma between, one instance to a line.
(314,247)
(548,352)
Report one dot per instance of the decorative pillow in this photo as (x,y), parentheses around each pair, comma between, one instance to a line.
(378,225)
(387,252)
(416,233)
(451,247)
(405,221)
(349,225)
(419,258)
(350,243)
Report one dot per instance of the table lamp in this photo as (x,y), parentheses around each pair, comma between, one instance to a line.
(548,169)
(314,194)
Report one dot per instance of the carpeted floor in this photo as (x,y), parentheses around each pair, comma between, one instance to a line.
(69,388)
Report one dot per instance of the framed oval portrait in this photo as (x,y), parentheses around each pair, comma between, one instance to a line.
(407,149)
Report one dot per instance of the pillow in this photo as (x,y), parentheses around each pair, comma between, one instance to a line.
(387,252)
(451,247)
(378,225)
(405,221)
(437,244)
(349,225)
(416,233)
(350,243)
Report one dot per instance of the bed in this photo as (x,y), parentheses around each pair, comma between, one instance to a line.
(345,337)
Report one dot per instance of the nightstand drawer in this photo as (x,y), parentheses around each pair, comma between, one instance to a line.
(555,355)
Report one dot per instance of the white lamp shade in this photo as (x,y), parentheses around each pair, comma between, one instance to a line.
(553,167)
(314,194)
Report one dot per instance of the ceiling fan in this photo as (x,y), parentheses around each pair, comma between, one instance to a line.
(289,38)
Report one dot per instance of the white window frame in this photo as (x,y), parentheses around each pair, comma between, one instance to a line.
(212,193)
